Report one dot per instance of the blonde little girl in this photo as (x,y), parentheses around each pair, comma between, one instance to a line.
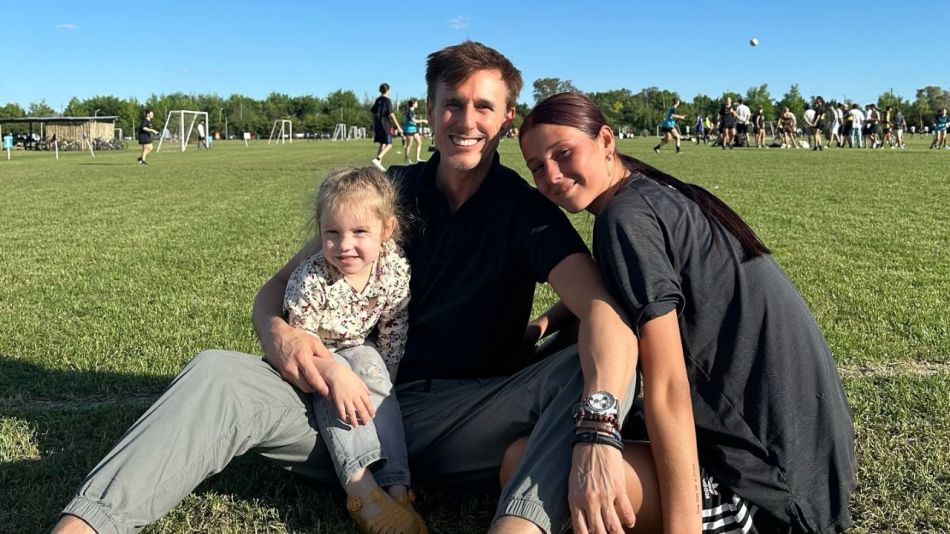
(358,283)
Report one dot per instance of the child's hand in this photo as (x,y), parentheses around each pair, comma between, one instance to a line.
(349,394)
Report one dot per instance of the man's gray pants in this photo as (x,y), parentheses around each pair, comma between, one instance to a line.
(224,404)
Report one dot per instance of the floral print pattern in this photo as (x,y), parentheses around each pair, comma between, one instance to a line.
(321,301)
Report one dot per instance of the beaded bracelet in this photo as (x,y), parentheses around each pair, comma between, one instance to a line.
(581,415)
(596,437)
(605,428)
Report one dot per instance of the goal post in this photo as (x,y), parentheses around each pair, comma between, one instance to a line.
(286,132)
(181,126)
(339,132)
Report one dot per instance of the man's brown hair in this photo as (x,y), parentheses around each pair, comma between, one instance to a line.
(455,64)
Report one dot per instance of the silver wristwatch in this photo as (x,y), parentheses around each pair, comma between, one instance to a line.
(601,403)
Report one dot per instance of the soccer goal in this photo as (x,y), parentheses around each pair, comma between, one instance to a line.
(181,126)
(286,132)
(339,133)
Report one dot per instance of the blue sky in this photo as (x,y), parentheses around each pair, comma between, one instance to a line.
(55,50)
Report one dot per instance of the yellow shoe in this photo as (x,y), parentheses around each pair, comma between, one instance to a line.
(406,500)
(393,518)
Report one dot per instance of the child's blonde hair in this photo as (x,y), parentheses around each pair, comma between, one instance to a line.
(365,187)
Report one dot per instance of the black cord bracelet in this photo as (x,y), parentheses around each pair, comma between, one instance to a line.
(597,437)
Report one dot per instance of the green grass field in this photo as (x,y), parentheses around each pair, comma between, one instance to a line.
(113,275)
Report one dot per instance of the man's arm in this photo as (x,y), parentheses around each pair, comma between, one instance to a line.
(289,350)
(605,341)
(608,354)
(392,117)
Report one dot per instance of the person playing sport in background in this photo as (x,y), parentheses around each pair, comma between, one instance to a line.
(202,139)
(758,128)
(872,122)
(941,122)
(411,131)
(808,117)
(900,124)
(888,126)
(837,122)
(727,124)
(669,129)
(383,119)
(857,126)
(145,135)
(819,123)
(357,285)
(788,122)
(743,116)
(700,129)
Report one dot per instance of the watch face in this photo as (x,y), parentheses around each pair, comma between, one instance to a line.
(601,401)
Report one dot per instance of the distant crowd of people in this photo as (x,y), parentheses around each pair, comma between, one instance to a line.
(823,124)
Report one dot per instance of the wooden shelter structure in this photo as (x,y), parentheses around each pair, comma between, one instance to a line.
(64,128)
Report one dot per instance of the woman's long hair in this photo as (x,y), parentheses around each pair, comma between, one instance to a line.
(577,111)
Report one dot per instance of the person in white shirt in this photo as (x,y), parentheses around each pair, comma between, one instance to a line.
(837,118)
(857,123)
(743,115)
(202,138)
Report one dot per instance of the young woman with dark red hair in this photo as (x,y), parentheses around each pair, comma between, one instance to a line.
(749,426)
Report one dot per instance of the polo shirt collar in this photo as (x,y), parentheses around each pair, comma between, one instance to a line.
(427,185)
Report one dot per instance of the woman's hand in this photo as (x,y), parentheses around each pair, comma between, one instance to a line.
(597,491)
(348,393)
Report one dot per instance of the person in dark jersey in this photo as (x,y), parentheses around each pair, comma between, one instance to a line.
(669,129)
(145,136)
(727,123)
(383,121)
(758,128)
(818,123)
(742,401)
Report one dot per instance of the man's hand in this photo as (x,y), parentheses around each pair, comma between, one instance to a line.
(535,331)
(597,491)
(348,393)
(292,352)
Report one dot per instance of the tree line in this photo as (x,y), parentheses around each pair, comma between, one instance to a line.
(625,110)
(642,112)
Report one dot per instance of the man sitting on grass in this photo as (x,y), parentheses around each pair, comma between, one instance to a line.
(483,239)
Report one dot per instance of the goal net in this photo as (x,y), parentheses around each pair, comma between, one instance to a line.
(283,131)
(183,127)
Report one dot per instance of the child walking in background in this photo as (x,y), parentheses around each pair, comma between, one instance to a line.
(358,283)
(411,132)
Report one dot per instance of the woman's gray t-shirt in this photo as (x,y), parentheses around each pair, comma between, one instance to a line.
(773,423)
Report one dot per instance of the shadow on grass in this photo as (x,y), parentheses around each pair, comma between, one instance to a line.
(48,445)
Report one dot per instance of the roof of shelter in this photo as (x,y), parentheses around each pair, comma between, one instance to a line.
(104,118)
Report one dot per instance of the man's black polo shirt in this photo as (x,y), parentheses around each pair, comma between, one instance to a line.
(474,271)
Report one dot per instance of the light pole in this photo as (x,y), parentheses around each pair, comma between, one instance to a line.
(95,122)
